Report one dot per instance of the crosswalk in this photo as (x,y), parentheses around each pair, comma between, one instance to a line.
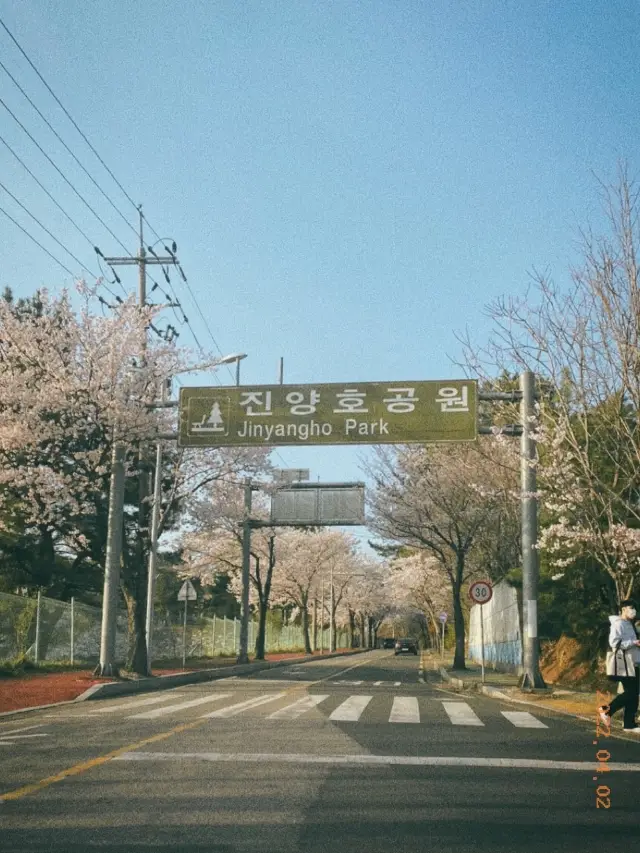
(352,709)
(11,737)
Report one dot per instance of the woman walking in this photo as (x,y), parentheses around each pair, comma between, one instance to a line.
(623,636)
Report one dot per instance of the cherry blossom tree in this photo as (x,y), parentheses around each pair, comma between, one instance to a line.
(418,581)
(215,545)
(582,339)
(72,382)
(304,557)
(442,499)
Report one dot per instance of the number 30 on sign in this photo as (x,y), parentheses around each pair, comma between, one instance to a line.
(481,592)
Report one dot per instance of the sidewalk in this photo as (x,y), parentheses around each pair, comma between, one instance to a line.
(505,686)
(42,689)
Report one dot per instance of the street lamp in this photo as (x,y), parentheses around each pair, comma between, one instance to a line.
(238,358)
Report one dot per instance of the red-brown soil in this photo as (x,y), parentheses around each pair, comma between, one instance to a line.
(45,688)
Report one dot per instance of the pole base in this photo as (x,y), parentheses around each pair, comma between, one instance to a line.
(532,680)
(242,659)
(107,670)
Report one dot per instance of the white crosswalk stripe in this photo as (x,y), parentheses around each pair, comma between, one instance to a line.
(181,706)
(239,707)
(124,706)
(292,712)
(523,720)
(461,714)
(351,709)
(404,710)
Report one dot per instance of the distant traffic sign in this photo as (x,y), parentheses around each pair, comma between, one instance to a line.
(443,617)
(481,592)
(346,413)
(311,504)
(187,592)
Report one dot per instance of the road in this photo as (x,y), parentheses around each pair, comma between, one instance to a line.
(341,755)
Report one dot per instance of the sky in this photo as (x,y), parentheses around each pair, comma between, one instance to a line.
(349,183)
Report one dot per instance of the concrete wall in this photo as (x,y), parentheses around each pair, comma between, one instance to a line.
(502,636)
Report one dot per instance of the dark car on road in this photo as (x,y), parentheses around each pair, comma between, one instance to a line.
(388,643)
(408,645)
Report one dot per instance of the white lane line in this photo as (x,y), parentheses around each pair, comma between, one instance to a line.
(239,707)
(124,706)
(7,738)
(171,709)
(291,712)
(461,714)
(352,683)
(373,760)
(523,720)
(351,709)
(25,729)
(404,710)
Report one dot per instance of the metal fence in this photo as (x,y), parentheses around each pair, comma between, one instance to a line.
(45,629)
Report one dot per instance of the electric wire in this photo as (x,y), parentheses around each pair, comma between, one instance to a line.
(61,140)
(64,177)
(65,111)
(112,175)
(45,190)
(44,228)
(31,237)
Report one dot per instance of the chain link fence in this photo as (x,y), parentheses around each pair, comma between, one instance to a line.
(44,629)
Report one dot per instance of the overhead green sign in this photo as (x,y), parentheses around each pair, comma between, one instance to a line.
(345,413)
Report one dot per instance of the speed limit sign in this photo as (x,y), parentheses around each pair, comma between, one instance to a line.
(480,592)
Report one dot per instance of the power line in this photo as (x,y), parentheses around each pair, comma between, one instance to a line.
(44,228)
(59,206)
(31,237)
(65,111)
(45,190)
(102,162)
(63,176)
(61,140)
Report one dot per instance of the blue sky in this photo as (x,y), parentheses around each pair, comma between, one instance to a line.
(349,183)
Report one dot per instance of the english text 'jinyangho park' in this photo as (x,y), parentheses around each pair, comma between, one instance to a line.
(346,413)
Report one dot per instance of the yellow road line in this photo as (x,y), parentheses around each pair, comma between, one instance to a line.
(83,766)
(94,762)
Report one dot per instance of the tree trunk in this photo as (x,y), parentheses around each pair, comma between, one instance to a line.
(458,615)
(352,629)
(362,631)
(46,557)
(305,628)
(315,623)
(263,597)
(262,629)
(137,618)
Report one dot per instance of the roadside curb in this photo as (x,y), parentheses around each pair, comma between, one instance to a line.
(165,682)
(502,696)
(458,683)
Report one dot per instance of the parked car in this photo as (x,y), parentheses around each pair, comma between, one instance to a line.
(407,644)
(388,643)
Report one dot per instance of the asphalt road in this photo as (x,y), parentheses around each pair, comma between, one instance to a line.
(339,755)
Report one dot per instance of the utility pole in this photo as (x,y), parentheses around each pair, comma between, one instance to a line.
(531,676)
(153,548)
(107,664)
(526,396)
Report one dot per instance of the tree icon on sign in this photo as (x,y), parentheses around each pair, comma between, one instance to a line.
(213,423)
